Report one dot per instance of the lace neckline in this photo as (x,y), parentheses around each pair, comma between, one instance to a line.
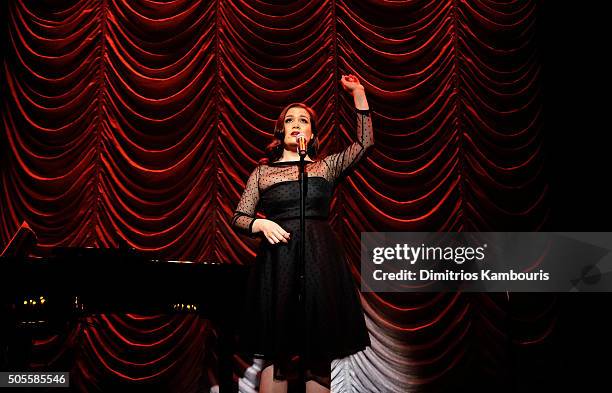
(291,162)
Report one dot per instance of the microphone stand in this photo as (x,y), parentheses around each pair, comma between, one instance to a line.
(301,270)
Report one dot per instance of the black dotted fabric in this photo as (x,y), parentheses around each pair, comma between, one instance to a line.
(329,323)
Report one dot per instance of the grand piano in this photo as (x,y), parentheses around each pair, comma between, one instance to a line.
(75,282)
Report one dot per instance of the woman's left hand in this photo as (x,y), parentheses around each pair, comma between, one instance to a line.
(351,84)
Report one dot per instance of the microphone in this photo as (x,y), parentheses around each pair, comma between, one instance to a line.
(300,139)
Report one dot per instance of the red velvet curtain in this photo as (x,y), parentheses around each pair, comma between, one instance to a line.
(140,120)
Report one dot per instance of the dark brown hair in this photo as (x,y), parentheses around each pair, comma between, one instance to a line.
(274,150)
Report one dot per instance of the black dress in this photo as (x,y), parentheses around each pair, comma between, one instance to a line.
(275,327)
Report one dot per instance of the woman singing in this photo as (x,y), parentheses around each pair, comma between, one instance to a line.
(329,324)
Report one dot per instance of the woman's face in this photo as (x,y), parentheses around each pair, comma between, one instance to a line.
(297,120)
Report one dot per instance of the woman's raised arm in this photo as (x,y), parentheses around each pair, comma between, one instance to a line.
(339,163)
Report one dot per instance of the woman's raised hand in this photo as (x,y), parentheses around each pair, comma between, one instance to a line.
(350,83)
(271,230)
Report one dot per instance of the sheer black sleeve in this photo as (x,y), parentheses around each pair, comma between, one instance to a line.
(337,164)
(244,216)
